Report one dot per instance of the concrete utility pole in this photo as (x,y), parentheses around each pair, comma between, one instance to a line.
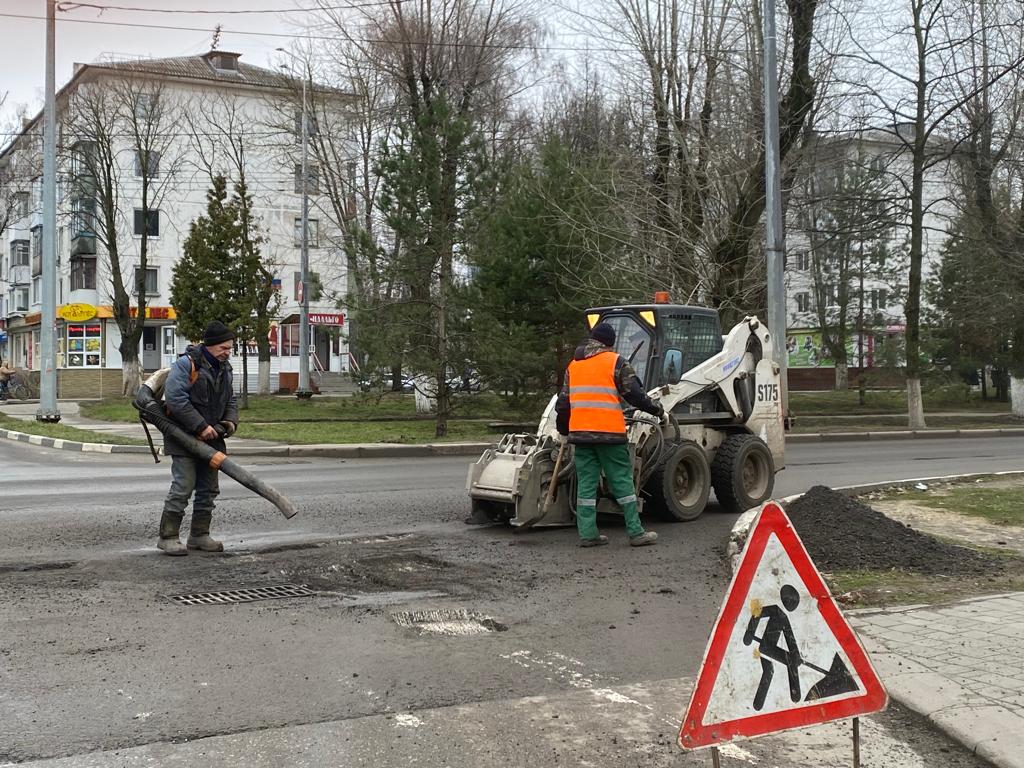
(775,235)
(303,391)
(48,410)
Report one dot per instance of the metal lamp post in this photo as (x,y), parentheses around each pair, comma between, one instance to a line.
(775,237)
(48,410)
(303,391)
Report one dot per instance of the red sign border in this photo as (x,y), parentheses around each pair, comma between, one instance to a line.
(693,734)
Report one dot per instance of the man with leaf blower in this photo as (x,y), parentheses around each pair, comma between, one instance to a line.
(200,398)
(589,413)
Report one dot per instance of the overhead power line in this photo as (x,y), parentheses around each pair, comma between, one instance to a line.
(335,38)
(101,7)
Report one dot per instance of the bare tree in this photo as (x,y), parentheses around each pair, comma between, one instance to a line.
(450,64)
(223,134)
(918,86)
(122,133)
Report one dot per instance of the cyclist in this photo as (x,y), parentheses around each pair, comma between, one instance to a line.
(5,377)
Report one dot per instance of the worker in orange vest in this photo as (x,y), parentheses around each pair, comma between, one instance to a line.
(589,414)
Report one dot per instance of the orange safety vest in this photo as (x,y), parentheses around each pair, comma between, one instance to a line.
(593,396)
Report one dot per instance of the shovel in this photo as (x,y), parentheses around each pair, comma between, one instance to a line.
(550,496)
(837,679)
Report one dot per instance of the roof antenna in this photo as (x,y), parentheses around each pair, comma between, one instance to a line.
(216,37)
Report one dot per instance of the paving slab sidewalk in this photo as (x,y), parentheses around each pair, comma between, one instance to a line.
(959,665)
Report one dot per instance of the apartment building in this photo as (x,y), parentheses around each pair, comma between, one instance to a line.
(205,114)
(853,207)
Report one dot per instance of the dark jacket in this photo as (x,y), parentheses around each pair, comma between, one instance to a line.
(207,402)
(626,381)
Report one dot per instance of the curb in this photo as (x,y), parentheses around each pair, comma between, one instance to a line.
(325,450)
(396,450)
(952,725)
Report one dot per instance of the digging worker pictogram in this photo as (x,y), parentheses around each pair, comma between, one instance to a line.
(589,412)
(768,649)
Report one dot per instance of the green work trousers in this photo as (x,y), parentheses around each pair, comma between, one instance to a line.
(618,471)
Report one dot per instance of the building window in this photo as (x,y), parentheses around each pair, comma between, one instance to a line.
(313,188)
(879,298)
(152,289)
(289,341)
(20,300)
(84,342)
(21,201)
(153,228)
(803,302)
(316,288)
(145,106)
(19,253)
(151,166)
(83,274)
(801,261)
(314,233)
(37,290)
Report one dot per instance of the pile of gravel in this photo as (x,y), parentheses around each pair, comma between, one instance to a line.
(842,534)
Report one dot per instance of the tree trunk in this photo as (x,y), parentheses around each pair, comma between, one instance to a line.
(244,399)
(1017,397)
(842,376)
(915,404)
(131,374)
(396,377)
(263,378)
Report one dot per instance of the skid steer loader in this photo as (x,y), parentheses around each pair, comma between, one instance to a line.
(725,430)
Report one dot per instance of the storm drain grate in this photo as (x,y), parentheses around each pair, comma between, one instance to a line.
(242,595)
(456,621)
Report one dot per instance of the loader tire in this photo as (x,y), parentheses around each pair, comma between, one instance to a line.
(743,473)
(680,487)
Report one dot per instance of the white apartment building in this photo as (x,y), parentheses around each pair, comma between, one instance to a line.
(883,154)
(219,105)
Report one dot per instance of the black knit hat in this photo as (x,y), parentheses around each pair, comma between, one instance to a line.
(217,333)
(604,333)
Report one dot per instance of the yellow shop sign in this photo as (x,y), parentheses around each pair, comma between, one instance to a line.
(76,313)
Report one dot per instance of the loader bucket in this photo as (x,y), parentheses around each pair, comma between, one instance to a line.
(508,483)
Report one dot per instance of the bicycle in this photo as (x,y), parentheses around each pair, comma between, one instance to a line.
(22,387)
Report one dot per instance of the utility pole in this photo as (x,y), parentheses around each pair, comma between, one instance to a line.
(48,410)
(303,391)
(775,236)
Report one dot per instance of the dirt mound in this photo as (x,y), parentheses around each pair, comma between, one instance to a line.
(842,534)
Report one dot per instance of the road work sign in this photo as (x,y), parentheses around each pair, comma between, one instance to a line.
(781,655)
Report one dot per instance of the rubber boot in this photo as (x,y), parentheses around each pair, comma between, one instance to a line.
(169,544)
(199,535)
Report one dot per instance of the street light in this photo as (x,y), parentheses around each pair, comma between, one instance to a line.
(303,391)
(775,236)
(48,410)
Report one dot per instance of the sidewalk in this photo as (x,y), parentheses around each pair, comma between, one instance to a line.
(959,665)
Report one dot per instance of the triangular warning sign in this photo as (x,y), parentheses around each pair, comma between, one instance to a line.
(781,655)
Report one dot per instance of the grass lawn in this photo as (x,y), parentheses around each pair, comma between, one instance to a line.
(886,401)
(358,408)
(365,432)
(1002,506)
(63,432)
(874,588)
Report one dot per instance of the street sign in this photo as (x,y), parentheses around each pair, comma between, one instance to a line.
(781,655)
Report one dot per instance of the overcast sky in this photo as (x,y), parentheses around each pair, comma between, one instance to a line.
(22,55)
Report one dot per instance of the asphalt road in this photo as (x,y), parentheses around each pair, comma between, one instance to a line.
(94,656)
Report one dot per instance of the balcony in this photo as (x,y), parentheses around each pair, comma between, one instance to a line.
(83,243)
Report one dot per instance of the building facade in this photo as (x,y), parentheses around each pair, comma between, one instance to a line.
(847,255)
(158,130)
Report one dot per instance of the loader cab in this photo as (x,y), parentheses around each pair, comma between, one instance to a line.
(661,341)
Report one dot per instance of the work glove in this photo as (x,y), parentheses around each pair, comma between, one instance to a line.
(229,428)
